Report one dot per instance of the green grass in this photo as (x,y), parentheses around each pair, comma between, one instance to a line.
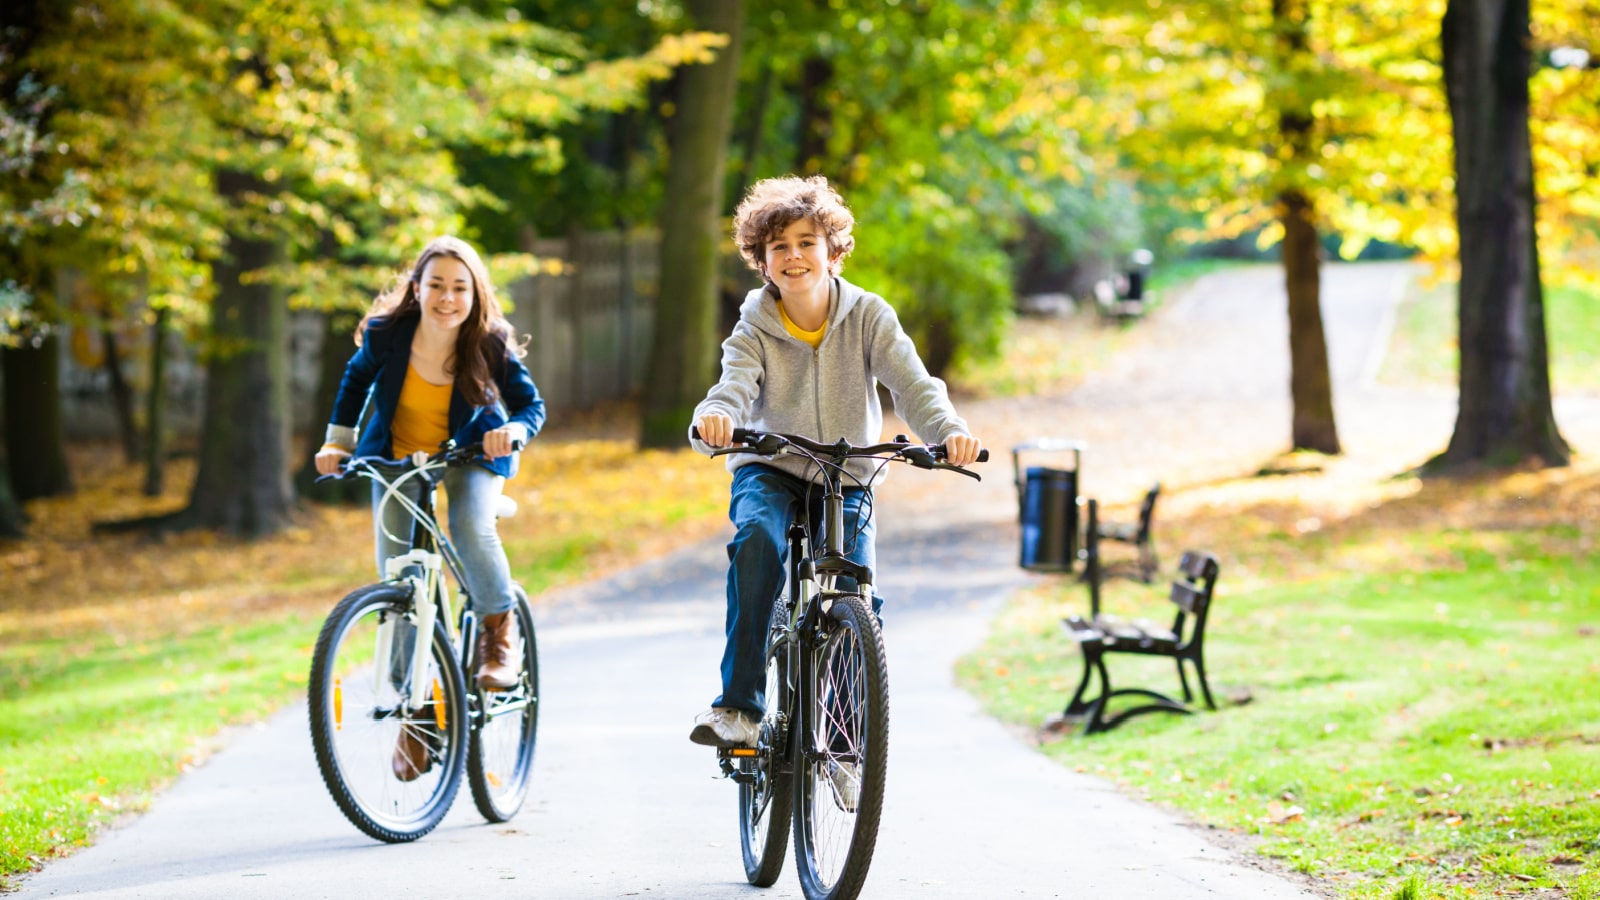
(121,680)
(1424,348)
(1422,733)
(90,728)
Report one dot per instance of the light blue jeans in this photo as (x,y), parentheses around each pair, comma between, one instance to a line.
(474,492)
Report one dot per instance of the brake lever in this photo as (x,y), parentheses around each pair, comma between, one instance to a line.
(963,470)
(919,456)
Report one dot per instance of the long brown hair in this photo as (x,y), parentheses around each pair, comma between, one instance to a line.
(485,337)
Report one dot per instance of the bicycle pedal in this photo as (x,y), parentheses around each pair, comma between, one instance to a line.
(736,752)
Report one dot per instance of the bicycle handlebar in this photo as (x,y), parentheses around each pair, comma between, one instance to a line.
(449,455)
(923,456)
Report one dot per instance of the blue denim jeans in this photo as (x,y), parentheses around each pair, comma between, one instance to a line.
(765,502)
(474,492)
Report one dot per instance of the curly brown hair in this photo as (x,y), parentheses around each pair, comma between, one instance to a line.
(485,338)
(773,204)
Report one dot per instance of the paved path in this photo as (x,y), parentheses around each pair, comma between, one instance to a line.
(624,806)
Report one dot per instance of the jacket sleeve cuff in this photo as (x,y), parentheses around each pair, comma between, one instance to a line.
(341,436)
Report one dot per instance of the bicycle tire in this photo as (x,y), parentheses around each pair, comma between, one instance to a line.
(354,752)
(766,806)
(845,717)
(500,753)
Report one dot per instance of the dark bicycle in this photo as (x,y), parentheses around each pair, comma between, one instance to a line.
(370,687)
(821,755)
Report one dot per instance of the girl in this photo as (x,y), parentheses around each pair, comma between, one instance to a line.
(436,359)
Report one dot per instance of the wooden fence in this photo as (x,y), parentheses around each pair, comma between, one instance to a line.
(588,339)
(589,327)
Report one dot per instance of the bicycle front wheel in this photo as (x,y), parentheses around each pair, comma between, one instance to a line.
(392,770)
(845,717)
(500,759)
(766,792)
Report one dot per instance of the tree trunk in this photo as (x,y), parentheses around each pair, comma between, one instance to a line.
(242,485)
(1310,384)
(337,346)
(683,346)
(121,397)
(754,131)
(939,343)
(1504,412)
(814,126)
(155,408)
(33,419)
(11,517)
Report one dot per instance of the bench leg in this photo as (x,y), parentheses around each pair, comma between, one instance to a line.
(1183,679)
(1158,703)
(1076,706)
(1205,687)
(1094,715)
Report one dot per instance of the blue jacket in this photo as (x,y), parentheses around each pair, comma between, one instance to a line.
(377,372)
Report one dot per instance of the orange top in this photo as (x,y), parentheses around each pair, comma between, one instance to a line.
(422,418)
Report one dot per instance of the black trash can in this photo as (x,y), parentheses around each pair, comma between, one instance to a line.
(1049,519)
(1048,508)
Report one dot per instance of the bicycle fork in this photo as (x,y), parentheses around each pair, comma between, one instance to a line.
(421,570)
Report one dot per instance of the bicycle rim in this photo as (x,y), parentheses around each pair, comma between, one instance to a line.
(500,762)
(767,802)
(846,747)
(358,717)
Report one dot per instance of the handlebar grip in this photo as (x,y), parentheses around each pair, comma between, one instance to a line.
(983,455)
(740,435)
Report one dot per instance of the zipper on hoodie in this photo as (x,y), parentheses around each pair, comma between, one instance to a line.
(816,388)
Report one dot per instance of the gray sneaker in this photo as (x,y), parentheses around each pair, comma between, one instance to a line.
(724,726)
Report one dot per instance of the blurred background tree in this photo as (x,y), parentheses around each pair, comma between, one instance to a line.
(198,171)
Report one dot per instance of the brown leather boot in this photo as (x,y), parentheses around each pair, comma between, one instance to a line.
(411,757)
(497,671)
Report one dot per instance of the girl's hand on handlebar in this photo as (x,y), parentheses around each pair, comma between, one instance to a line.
(503,440)
(329,459)
(962,449)
(716,430)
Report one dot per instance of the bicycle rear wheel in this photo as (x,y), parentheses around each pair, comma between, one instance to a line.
(766,800)
(500,758)
(845,717)
(359,716)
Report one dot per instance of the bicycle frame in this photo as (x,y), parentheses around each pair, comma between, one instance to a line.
(421,568)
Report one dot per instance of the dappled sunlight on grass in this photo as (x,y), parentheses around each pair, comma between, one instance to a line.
(1407,669)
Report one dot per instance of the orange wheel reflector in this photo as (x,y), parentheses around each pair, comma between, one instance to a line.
(440,716)
(338,704)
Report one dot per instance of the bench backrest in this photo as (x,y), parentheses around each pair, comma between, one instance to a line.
(1192,591)
(1147,509)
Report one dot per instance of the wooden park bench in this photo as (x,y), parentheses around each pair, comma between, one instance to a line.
(1138,534)
(1101,635)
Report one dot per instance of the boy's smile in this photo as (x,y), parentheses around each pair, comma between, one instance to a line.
(797,261)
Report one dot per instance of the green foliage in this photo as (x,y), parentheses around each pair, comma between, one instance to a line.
(346,116)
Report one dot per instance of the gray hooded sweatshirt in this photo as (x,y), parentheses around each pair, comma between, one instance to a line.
(774,382)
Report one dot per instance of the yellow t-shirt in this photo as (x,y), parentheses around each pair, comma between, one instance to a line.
(422,418)
(814,338)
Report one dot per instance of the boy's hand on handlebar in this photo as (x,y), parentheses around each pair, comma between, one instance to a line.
(503,441)
(716,429)
(329,459)
(962,449)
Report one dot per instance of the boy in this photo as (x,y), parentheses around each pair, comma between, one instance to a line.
(805,358)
